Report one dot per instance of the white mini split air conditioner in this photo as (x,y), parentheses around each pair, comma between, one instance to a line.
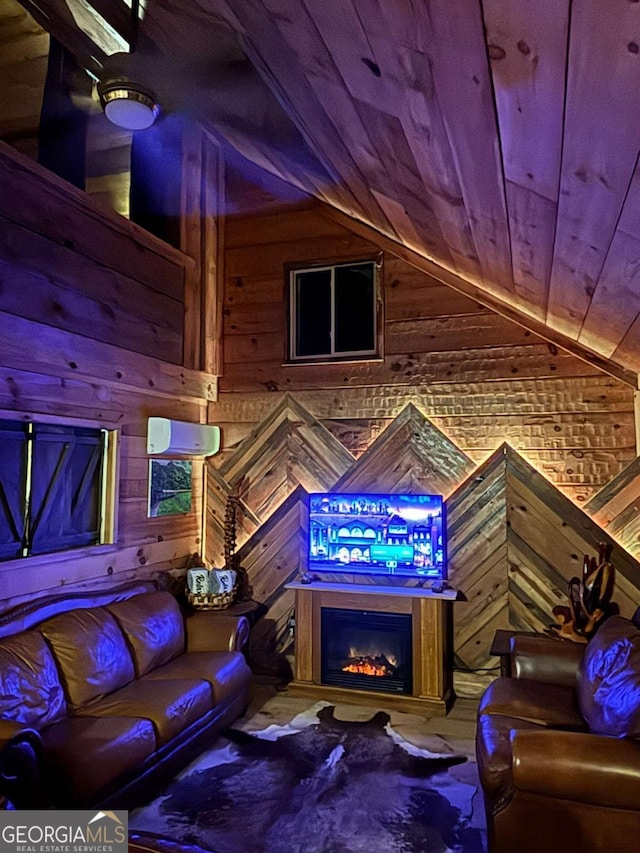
(168,437)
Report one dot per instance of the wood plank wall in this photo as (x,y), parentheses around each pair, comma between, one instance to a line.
(456,381)
(79,268)
(478,377)
(513,539)
(24,48)
(91,332)
(616,507)
(514,542)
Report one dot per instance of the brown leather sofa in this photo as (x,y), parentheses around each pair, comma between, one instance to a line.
(102,696)
(558,745)
(145,842)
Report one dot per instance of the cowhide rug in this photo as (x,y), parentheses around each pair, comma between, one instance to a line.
(318,785)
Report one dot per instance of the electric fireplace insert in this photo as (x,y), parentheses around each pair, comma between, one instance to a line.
(366,650)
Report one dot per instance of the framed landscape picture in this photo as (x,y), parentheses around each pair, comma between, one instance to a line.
(169,487)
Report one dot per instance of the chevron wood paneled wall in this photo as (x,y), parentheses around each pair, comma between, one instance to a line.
(289,448)
(410,455)
(616,507)
(514,540)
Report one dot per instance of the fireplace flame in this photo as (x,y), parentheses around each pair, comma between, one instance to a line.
(366,668)
(357,654)
(376,665)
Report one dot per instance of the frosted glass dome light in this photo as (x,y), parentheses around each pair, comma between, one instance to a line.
(128,105)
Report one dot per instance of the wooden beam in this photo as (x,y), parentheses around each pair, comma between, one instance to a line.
(56,19)
(156,179)
(213,258)
(426,265)
(116,14)
(62,140)
(201,239)
(191,231)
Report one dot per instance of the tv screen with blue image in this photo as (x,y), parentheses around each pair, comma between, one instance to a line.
(370,533)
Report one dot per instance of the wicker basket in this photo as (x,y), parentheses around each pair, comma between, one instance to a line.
(211,601)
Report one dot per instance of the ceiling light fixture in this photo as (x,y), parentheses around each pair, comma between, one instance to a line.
(127,104)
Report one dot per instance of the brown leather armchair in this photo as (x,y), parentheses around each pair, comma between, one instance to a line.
(558,745)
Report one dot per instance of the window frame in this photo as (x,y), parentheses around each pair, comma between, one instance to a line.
(293,270)
(106,471)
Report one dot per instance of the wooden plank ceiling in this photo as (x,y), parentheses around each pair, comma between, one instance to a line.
(497,140)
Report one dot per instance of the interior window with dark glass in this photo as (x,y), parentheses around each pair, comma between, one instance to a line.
(355,308)
(313,315)
(334,312)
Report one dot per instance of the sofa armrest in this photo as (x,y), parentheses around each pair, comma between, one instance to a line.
(578,766)
(12,733)
(20,753)
(211,631)
(543,658)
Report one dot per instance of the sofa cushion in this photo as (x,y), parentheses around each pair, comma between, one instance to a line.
(545,704)
(85,754)
(227,672)
(30,689)
(170,705)
(609,679)
(154,628)
(91,651)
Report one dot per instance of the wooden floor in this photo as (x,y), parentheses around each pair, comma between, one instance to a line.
(458,724)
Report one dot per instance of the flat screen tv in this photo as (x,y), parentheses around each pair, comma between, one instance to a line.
(377,534)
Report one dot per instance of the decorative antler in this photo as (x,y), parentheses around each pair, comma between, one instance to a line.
(589,598)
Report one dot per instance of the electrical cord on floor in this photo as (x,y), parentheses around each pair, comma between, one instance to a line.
(459,666)
(476,669)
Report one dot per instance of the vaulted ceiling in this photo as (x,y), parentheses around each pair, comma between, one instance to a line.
(497,141)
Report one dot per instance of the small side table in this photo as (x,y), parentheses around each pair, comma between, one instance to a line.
(501,647)
(253,610)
